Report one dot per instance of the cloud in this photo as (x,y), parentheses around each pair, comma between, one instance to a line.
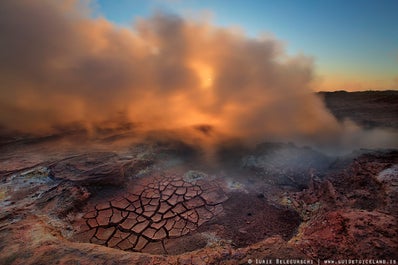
(58,67)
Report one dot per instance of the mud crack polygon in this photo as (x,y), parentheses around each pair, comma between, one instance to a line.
(156,209)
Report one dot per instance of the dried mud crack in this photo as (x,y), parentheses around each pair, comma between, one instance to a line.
(155,209)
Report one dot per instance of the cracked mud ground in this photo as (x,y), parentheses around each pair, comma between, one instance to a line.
(158,208)
(159,204)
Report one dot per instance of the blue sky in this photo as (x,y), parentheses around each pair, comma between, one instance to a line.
(354,42)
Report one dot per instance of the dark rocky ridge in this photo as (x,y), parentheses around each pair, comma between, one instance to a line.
(369,109)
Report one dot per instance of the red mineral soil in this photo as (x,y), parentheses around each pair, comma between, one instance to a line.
(160,203)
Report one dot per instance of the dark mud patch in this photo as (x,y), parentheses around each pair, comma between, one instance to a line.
(249,218)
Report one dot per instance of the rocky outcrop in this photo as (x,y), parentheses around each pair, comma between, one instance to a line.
(349,234)
(351,214)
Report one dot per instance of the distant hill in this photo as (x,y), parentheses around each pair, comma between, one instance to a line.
(367,108)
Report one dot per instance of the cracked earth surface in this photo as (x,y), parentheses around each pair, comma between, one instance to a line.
(155,209)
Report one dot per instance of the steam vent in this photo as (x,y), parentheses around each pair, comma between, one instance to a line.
(158,208)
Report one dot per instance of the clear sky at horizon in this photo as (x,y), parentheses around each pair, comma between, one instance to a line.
(354,43)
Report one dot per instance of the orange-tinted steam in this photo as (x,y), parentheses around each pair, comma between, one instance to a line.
(58,66)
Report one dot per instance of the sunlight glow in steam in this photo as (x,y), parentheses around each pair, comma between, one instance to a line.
(204,72)
(60,68)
